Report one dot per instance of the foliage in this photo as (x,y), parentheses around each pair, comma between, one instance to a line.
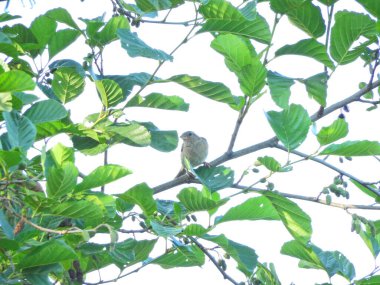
(50,211)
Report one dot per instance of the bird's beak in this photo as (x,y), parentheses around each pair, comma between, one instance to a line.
(183,136)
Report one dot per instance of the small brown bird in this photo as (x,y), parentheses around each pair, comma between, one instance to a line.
(194,150)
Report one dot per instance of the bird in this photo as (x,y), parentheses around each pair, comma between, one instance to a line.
(194,151)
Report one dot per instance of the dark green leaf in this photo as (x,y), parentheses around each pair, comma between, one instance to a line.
(245,256)
(195,230)
(241,58)
(16,80)
(127,82)
(45,111)
(371,241)
(259,208)
(221,16)
(101,176)
(67,63)
(7,17)
(159,101)
(290,125)
(162,140)
(348,28)
(310,48)
(141,195)
(337,130)
(182,256)
(353,148)
(195,200)
(279,87)
(61,40)
(10,158)
(136,47)
(297,222)
(316,87)
(67,84)
(61,180)
(9,244)
(21,131)
(215,178)
(272,164)
(51,252)
(88,145)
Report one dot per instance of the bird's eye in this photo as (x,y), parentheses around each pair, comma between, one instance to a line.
(190,134)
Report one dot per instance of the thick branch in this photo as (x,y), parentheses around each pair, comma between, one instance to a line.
(325,163)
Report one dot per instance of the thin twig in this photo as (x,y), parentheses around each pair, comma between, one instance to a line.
(205,251)
(325,163)
(309,199)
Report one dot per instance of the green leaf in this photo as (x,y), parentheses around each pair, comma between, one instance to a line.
(371,6)
(241,58)
(272,164)
(59,155)
(61,180)
(347,29)
(7,17)
(67,84)
(51,252)
(304,253)
(9,244)
(213,90)
(316,87)
(333,262)
(290,125)
(109,92)
(102,175)
(82,209)
(67,63)
(371,241)
(43,28)
(5,102)
(61,15)
(141,195)
(310,48)
(88,145)
(154,5)
(245,256)
(161,140)
(373,280)
(61,40)
(127,82)
(132,133)
(222,17)
(10,158)
(45,111)
(159,101)
(303,14)
(182,256)
(136,47)
(353,148)
(253,209)
(337,130)
(165,231)
(366,191)
(296,221)
(195,230)
(279,87)
(21,131)
(195,200)
(109,33)
(215,178)
(16,80)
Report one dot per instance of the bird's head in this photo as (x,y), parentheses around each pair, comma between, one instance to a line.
(189,135)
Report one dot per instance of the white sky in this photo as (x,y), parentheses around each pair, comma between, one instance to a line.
(215,121)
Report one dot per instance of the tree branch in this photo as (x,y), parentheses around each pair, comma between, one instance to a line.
(205,251)
(325,163)
(310,199)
